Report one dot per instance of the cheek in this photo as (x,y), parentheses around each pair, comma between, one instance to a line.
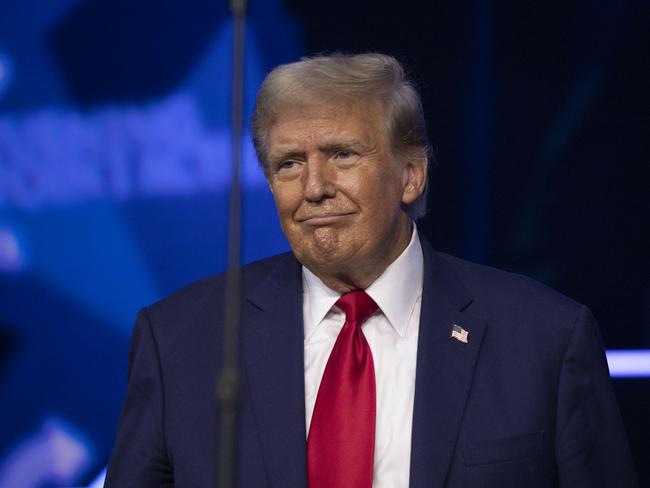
(380,191)
(287,199)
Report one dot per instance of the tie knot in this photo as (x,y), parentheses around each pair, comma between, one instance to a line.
(357,305)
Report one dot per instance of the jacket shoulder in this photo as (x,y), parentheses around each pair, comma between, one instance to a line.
(206,295)
(497,292)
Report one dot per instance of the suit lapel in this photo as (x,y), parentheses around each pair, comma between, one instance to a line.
(272,345)
(445,368)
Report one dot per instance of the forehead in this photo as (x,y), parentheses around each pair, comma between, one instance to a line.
(307,123)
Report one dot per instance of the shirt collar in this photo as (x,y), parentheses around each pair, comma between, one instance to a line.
(396,291)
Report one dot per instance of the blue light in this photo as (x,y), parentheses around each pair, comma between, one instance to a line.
(629,363)
(6,71)
(55,454)
(55,158)
(12,250)
(98,482)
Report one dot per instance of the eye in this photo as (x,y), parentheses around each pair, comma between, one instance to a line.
(287,168)
(285,165)
(343,155)
(344,158)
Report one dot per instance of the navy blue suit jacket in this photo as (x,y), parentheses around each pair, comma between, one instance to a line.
(526,403)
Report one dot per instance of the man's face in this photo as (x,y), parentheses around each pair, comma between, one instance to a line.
(339,191)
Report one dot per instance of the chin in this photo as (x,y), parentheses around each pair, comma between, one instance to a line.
(324,247)
(323,259)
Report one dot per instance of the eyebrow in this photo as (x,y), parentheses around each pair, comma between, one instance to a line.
(336,144)
(285,155)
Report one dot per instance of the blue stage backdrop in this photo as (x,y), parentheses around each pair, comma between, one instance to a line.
(114,174)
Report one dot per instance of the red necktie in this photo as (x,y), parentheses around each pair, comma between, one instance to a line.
(341,442)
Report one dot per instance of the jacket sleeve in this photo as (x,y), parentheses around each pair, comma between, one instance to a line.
(140,458)
(591,446)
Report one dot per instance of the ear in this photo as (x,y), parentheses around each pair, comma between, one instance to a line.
(415,178)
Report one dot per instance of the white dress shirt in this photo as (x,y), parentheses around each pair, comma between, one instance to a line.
(392,335)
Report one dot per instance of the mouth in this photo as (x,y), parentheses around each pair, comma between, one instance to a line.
(324,218)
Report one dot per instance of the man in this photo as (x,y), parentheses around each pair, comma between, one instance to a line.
(368,358)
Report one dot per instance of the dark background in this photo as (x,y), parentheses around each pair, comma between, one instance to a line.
(538,112)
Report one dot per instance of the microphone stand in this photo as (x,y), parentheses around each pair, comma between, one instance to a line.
(229,381)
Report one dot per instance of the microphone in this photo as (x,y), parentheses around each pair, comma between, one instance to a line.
(228,385)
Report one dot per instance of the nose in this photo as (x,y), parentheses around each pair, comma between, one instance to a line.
(319,181)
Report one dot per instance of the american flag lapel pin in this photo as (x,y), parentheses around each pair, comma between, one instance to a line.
(460,334)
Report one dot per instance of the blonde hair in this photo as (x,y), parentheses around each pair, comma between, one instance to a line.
(342,78)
